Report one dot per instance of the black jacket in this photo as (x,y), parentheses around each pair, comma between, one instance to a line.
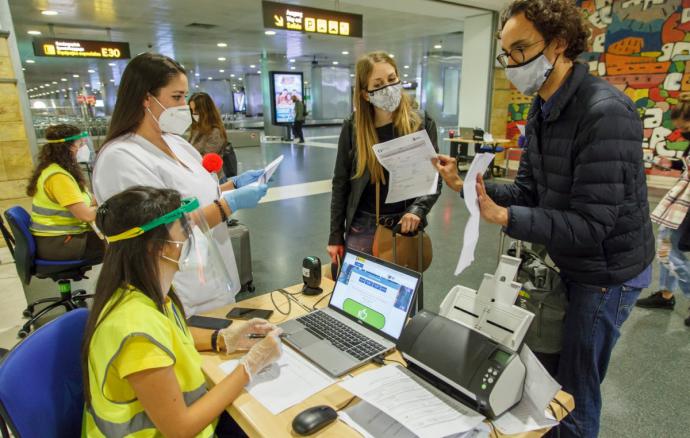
(581,188)
(347,191)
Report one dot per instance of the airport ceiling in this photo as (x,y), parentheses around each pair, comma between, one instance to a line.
(410,29)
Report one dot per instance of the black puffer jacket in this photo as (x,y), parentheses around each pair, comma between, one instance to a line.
(581,188)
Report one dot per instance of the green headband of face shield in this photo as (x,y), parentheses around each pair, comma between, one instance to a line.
(188,205)
(70,138)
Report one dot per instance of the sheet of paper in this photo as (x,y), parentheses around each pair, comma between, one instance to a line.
(469,242)
(531,413)
(372,423)
(287,382)
(393,392)
(269,170)
(408,161)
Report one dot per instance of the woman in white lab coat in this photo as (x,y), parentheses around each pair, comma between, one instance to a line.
(144,147)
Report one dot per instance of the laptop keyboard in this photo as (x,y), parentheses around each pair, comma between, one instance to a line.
(324,326)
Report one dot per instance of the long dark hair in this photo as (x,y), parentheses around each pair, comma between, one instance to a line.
(145,74)
(131,262)
(209,116)
(57,153)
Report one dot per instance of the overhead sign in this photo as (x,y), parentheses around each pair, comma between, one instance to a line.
(311,20)
(68,48)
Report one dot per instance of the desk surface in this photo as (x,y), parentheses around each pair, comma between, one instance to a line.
(465,140)
(257,421)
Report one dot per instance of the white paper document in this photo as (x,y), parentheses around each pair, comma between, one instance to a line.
(408,161)
(531,413)
(469,242)
(408,403)
(287,382)
(373,423)
(269,170)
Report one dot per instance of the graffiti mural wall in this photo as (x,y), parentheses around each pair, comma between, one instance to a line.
(642,47)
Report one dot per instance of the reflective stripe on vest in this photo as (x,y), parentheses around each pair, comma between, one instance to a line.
(140,421)
(48,218)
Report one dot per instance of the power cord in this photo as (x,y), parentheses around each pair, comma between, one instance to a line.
(570,417)
(381,360)
(290,298)
(342,408)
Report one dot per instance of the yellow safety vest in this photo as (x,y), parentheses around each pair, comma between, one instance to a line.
(48,218)
(137,315)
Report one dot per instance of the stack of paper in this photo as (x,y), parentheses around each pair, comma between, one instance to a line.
(407,402)
(287,382)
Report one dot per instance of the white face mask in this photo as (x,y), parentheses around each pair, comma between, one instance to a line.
(529,76)
(195,117)
(193,254)
(174,120)
(387,98)
(83,154)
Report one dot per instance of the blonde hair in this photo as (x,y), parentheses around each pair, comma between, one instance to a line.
(405,119)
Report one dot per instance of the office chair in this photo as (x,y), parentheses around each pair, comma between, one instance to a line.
(41,391)
(23,248)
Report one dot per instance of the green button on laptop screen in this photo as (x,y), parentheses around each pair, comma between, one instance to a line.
(364,313)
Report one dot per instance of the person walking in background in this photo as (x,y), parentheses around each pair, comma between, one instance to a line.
(299,119)
(674,266)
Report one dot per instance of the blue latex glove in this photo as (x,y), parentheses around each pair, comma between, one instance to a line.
(245,197)
(246,178)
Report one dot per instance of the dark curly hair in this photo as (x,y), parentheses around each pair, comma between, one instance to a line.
(554,19)
(58,153)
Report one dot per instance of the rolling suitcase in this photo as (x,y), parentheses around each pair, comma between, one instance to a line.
(239,236)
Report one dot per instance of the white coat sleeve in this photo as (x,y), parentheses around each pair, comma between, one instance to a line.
(119,169)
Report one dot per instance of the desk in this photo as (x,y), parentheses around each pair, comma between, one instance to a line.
(257,421)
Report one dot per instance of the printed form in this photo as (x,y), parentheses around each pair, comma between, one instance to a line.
(392,391)
(408,161)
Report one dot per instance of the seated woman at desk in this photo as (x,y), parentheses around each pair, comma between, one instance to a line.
(142,371)
(62,206)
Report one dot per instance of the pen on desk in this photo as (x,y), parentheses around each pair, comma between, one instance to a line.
(261,336)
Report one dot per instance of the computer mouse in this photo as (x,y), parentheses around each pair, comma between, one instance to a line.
(315,418)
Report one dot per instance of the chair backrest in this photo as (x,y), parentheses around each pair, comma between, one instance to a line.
(41,391)
(25,245)
(7,235)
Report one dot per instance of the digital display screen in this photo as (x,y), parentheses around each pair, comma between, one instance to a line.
(374,293)
(239,101)
(501,357)
(311,20)
(283,87)
(68,48)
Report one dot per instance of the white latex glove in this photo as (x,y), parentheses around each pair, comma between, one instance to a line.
(262,354)
(236,336)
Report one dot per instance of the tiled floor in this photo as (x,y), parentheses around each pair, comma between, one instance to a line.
(647,390)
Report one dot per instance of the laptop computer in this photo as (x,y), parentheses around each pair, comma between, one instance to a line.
(367,311)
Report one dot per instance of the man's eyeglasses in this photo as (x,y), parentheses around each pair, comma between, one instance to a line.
(517,54)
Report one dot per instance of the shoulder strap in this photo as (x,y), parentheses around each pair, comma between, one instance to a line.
(378,198)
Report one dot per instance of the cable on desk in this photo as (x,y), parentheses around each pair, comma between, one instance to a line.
(290,298)
(346,404)
(381,360)
(570,417)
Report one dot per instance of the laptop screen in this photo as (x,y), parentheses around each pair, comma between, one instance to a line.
(374,292)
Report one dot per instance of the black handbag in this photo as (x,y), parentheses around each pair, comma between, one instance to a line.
(229,160)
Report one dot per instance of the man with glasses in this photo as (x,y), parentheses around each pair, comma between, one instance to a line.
(580,191)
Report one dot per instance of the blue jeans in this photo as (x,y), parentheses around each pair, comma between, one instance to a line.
(591,329)
(674,270)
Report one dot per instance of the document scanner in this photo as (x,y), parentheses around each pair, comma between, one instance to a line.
(470,350)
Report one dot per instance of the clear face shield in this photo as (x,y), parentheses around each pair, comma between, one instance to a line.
(199,262)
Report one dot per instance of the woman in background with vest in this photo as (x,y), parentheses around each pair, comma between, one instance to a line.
(141,369)
(62,206)
(383,112)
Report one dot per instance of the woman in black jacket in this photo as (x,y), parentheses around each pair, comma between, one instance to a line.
(382,112)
